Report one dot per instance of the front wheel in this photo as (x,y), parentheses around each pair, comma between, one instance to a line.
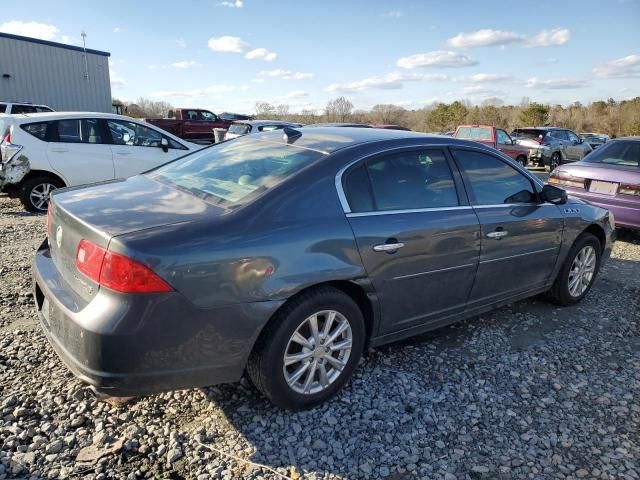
(309,350)
(34,193)
(522,160)
(578,272)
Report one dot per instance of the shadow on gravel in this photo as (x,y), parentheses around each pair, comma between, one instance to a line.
(398,402)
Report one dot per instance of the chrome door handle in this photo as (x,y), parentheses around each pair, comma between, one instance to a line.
(123,153)
(59,150)
(388,247)
(498,235)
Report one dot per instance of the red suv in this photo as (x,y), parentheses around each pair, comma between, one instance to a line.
(496,138)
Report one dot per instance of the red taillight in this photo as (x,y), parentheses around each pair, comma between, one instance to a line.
(7,138)
(117,272)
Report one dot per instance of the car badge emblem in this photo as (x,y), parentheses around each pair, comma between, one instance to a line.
(59,236)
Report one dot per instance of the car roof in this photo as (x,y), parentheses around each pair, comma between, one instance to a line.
(257,123)
(339,124)
(332,139)
(541,128)
(63,115)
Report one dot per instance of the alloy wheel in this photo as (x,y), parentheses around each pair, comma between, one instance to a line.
(582,271)
(555,161)
(317,352)
(39,195)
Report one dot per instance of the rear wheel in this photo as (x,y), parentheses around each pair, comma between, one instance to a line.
(554,162)
(578,271)
(309,350)
(34,193)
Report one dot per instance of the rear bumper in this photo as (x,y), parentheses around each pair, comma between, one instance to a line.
(625,212)
(129,345)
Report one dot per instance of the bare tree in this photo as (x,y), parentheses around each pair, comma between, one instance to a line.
(388,114)
(264,110)
(338,110)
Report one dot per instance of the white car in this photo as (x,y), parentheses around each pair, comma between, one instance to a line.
(44,151)
(18,107)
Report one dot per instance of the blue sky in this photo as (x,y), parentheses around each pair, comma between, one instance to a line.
(227,55)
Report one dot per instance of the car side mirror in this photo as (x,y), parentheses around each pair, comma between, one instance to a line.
(553,195)
(164,144)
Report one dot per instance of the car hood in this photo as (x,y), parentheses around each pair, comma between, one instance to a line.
(598,171)
(137,203)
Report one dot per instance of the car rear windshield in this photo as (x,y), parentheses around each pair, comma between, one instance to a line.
(474,133)
(619,152)
(528,133)
(233,173)
(239,128)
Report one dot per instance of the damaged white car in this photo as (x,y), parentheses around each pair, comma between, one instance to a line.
(44,151)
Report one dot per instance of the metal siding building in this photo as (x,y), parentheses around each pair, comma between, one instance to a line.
(53,74)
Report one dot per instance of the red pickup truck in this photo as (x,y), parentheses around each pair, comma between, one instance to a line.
(191,124)
(496,138)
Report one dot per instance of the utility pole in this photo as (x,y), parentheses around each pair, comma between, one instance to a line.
(86,63)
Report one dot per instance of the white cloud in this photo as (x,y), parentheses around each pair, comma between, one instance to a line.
(257,80)
(229,44)
(184,64)
(196,93)
(479,91)
(559,84)
(625,67)
(392,14)
(297,94)
(488,37)
(547,38)
(484,77)
(116,80)
(390,81)
(43,31)
(484,38)
(439,59)
(285,74)
(181,43)
(116,30)
(233,4)
(261,54)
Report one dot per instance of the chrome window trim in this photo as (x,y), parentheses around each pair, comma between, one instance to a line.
(343,198)
(512,205)
(410,210)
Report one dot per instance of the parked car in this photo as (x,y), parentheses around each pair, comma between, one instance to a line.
(389,126)
(496,138)
(551,146)
(286,255)
(608,177)
(232,117)
(595,139)
(44,151)
(191,124)
(245,127)
(337,124)
(13,108)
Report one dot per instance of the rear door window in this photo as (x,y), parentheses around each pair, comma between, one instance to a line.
(559,134)
(24,109)
(80,130)
(3,107)
(38,130)
(402,181)
(137,135)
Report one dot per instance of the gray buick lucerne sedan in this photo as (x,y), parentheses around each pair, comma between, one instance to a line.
(286,254)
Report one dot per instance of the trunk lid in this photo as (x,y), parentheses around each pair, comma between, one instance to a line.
(101,212)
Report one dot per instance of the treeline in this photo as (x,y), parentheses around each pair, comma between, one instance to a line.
(610,117)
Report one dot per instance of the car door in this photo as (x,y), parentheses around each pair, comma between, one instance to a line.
(79,152)
(505,144)
(520,237)
(562,142)
(575,148)
(137,147)
(417,236)
(192,125)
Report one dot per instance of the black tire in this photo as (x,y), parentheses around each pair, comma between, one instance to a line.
(559,292)
(29,188)
(522,160)
(554,162)
(266,362)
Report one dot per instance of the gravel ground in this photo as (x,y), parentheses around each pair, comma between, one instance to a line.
(528,391)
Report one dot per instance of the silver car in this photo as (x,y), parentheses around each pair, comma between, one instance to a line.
(550,147)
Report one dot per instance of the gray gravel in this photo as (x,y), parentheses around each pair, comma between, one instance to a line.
(528,391)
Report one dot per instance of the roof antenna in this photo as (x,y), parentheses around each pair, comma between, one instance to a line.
(290,135)
(84,46)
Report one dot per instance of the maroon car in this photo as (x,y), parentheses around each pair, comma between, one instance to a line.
(608,177)
(191,124)
(496,138)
